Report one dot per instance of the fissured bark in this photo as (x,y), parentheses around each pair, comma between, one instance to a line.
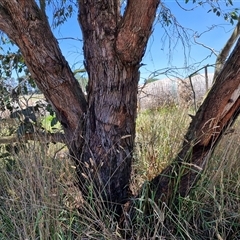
(100,130)
(113,48)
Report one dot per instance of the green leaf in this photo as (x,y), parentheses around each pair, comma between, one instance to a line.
(54,121)
(50,123)
(46,123)
(234,16)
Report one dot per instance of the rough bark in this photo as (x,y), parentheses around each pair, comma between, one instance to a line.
(26,25)
(113,48)
(218,111)
(100,131)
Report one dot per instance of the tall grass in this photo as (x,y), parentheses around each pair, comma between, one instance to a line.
(38,198)
(34,194)
(159,137)
(211,211)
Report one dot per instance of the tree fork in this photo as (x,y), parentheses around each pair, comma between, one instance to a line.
(113,48)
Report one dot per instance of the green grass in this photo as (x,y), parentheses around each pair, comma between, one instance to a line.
(38,198)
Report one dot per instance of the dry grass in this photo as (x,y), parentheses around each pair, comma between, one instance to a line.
(36,189)
(159,137)
(38,199)
(211,211)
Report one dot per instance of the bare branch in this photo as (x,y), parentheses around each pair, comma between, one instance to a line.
(41,137)
(205,46)
(70,38)
(185,9)
(174,33)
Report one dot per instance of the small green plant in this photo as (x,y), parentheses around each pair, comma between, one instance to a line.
(50,123)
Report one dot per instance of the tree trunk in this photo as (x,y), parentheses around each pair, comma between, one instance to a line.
(26,25)
(100,131)
(218,111)
(113,51)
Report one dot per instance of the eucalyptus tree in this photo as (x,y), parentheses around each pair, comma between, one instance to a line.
(100,129)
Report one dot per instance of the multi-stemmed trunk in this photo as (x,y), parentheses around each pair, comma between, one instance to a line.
(100,130)
(113,51)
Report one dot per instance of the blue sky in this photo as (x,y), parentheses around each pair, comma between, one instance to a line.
(159,54)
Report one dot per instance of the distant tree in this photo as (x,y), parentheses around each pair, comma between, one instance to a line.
(100,130)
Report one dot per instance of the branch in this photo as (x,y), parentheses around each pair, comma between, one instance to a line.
(185,9)
(5,22)
(222,56)
(135,29)
(70,38)
(205,46)
(219,110)
(41,137)
(44,59)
